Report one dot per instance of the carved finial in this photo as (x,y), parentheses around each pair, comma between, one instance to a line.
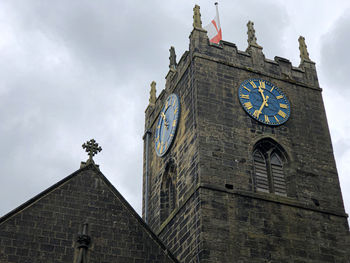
(197,22)
(172,58)
(304,55)
(152,94)
(92,148)
(251,35)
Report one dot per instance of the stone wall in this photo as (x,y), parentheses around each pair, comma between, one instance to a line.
(46,228)
(251,228)
(228,218)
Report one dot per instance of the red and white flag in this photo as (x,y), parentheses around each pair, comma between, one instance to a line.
(214,29)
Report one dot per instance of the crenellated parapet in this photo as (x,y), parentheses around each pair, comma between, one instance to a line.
(252,59)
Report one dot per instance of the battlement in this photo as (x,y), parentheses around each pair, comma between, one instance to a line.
(252,59)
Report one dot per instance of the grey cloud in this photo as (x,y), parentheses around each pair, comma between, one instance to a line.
(75,70)
(335,56)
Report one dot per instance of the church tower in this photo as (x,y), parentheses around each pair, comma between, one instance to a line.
(238,159)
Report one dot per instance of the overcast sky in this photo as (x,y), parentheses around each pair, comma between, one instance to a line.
(75,70)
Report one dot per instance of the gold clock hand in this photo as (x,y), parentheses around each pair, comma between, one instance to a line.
(165,120)
(262,106)
(262,94)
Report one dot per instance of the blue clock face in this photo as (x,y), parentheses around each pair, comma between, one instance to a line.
(167,124)
(264,101)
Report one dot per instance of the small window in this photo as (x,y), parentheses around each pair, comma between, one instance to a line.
(269,159)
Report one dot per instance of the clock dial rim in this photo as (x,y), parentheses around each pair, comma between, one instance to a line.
(160,128)
(276,119)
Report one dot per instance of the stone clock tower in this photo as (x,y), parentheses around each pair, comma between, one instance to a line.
(238,159)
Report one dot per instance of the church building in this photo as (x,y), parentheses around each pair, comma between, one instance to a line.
(238,167)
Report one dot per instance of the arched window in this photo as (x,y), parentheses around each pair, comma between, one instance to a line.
(168,192)
(269,158)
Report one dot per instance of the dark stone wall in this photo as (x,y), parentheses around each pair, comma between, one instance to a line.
(45,229)
(309,224)
(227,135)
(252,229)
(182,231)
(183,151)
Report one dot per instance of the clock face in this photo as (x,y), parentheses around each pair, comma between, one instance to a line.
(167,124)
(264,101)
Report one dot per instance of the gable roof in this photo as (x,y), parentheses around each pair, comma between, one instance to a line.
(91,168)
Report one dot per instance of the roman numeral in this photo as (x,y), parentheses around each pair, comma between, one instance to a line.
(243,96)
(283,106)
(282,114)
(279,97)
(267,119)
(256,113)
(248,105)
(253,84)
(262,84)
(246,88)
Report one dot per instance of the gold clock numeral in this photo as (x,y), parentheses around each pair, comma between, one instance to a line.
(276,119)
(253,84)
(166,104)
(284,106)
(174,102)
(175,111)
(174,123)
(267,119)
(248,105)
(243,96)
(246,88)
(282,114)
(256,113)
(262,84)
(272,89)
(279,97)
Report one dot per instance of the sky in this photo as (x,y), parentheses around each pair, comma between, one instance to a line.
(75,70)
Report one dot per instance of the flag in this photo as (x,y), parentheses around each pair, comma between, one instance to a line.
(214,28)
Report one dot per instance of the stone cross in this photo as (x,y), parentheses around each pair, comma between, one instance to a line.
(92,148)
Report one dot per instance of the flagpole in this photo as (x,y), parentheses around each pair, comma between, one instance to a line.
(217,14)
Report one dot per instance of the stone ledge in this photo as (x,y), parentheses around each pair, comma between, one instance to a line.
(261,196)
(275,199)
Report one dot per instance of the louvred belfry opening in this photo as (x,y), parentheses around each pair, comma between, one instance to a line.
(268,159)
